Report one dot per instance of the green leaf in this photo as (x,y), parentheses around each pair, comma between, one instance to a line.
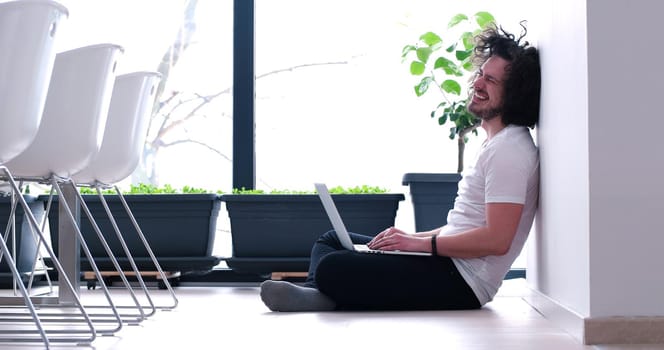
(431,38)
(364,189)
(451,86)
(423,53)
(484,19)
(189,189)
(454,66)
(417,68)
(456,20)
(462,55)
(468,40)
(407,49)
(448,66)
(423,86)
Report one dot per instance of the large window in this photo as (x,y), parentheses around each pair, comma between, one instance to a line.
(334,102)
(189,142)
(190,43)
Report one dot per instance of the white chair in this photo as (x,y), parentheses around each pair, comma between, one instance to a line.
(27,33)
(74,116)
(128,119)
(70,135)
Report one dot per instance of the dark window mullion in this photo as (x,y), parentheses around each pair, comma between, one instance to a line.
(244,154)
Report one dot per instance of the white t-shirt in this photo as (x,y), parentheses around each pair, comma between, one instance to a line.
(506,171)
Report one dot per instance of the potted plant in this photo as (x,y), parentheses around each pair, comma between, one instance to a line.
(274,232)
(179,225)
(443,63)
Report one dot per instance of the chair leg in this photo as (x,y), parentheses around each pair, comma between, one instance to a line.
(24,293)
(10,229)
(88,254)
(126,250)
(26,297)
(112,257)
(59,335)
(140,234)
(38,257)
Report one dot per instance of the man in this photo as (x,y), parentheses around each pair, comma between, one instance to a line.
(485,230)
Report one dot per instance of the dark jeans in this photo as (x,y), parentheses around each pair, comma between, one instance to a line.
(361,281)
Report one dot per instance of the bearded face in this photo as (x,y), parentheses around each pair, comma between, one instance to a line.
(486,102)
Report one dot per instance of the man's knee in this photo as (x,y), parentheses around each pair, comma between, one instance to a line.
(332,266)
(330,238)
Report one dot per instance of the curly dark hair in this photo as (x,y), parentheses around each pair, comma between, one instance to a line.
(522,85)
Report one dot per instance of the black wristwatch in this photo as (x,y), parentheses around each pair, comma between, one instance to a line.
(434,247)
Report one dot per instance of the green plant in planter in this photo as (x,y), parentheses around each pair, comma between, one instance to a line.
(444,63)
(364,189)
(150,189)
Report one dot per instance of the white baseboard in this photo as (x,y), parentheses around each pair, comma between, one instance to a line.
(559,315)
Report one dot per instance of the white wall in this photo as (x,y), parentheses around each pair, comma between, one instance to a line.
(597,249)
(626,157)
(558,258)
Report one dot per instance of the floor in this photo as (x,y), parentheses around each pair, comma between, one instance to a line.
(211,317)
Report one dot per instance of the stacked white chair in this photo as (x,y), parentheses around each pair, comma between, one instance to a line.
(128,120)
(126,128)
(74,115)
(27,34)
(69,137)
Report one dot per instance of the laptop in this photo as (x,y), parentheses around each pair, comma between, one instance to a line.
(340,228)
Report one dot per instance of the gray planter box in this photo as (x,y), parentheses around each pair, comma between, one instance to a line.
(180,229)
(275,233)
(432,195)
